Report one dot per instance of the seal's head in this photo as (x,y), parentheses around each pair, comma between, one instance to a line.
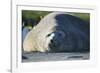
(55,40)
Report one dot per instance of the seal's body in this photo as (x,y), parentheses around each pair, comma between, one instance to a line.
(58,32)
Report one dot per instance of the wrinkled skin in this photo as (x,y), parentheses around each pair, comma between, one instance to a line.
(58,32)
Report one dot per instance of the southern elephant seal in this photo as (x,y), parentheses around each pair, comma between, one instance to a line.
(58,32)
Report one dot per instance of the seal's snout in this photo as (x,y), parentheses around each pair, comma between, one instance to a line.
(55,42)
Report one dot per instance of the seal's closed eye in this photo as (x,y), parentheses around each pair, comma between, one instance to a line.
(48,35)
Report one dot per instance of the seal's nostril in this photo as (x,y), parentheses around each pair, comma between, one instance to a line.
(52,41)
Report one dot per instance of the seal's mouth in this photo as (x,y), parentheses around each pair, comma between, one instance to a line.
(53,47)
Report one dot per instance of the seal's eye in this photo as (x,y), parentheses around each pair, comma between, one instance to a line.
(48,35)
(59,34)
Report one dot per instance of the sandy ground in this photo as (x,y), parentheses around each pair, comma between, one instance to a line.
(42,57)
